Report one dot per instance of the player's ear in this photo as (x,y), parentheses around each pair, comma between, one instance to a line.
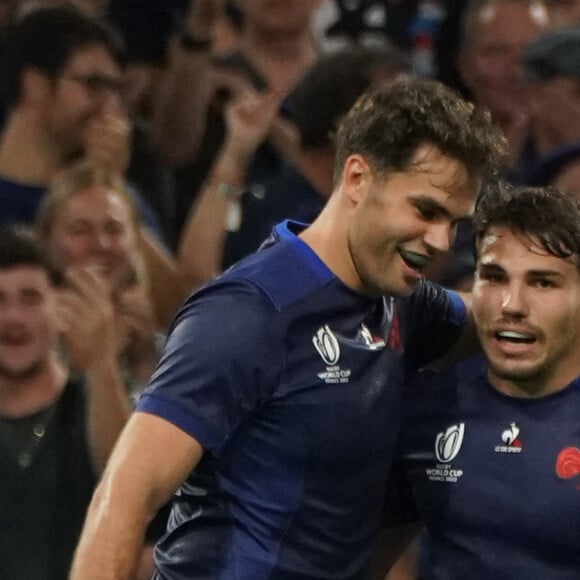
(357,177)
(34,87)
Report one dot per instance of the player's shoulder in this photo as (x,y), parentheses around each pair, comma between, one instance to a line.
(285,269)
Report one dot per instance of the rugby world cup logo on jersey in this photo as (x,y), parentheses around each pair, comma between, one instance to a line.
(447,446)
(448,443)
(511,440)
(328,347)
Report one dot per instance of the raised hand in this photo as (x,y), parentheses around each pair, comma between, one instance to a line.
(109,139)
(88,324)
(139,328)
(249,121)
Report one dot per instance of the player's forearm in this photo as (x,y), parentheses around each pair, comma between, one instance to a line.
(112,538)
(140,477)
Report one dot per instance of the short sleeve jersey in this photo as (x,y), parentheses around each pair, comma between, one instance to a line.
(291,382)
(496,479)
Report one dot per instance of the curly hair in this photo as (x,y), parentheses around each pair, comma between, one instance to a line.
(548,216)
(388,124)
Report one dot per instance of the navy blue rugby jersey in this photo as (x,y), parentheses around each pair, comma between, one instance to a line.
(496,479)
(291,383)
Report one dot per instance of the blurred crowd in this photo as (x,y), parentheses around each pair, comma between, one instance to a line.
(146,146)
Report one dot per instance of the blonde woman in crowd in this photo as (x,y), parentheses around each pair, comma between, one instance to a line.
(88,222)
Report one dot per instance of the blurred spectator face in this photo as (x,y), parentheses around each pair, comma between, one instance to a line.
(490,58)
(555,110)
(94,228)
(278,16)
(28,328)
(565,12)
(88,88)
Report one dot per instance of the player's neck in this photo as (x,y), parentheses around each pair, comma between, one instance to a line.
(328,238)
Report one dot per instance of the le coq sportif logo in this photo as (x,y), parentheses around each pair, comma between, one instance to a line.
(327,345)
(448,443)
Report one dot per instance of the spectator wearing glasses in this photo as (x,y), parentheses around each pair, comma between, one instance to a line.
(62,89)
(63,79)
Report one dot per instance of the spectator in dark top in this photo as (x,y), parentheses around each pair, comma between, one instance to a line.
(56,431)
(221,231)
(552,66)
(276,49)
(315,107)
(494,35)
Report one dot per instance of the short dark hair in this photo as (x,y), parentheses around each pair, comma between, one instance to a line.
(332,86)
(546,214)
(46,39)
(388,124)
(20,247)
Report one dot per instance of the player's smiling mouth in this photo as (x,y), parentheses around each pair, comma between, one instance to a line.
(414,260)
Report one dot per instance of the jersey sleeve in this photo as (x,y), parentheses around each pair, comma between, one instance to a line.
(435,319)
(222,359)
